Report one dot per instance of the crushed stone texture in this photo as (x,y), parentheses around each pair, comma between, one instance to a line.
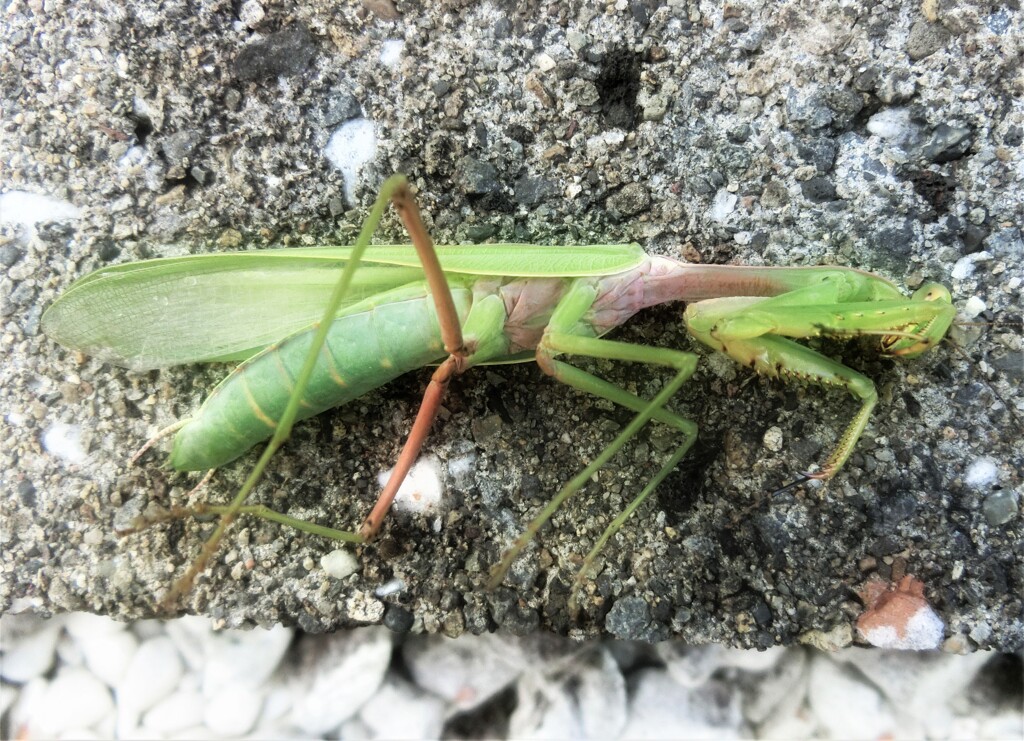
(708,131)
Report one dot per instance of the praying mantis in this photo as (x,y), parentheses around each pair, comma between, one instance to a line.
(457,308)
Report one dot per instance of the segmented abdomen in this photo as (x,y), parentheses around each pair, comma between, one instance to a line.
(364,350)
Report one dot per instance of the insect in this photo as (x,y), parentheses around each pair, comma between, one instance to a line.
(459,307)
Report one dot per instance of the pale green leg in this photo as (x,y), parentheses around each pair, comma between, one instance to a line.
(570,309)
(391,186)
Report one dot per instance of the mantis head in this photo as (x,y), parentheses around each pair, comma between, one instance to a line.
(916,337)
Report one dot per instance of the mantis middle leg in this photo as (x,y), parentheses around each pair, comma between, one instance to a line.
(560,338)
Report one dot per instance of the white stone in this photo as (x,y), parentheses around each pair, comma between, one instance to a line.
(544,62)
(277,704)
(69,651)
(923,631)
(963,268)
(251,13)
(29,706)
(108,655)
(152,675)
(79,734)
(86,625)
(400,710)
(586,699)
(26,209)
(391,586)
(229,657)
(607,140)
(845,705)
(176,712)
(891,123)
(778,695)
(233,711)
(1003,724)
(339,563)
(544,711)
(973,307)
(391,53)
(601,690)
(466,672)
(64,441)
(31,655)
(924,685)
(8,694)
(723,205)
(191,635)
(691,666)
(351,146)
(422,491)
(982,474)
(191,734)
(243,657)
(339,673)
(75,699)
(661,709)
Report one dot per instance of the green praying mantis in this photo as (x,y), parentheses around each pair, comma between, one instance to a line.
(458,307)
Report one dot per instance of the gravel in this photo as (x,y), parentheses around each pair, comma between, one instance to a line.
(719,133)
(184,679)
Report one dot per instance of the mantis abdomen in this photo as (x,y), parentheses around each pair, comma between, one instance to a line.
(370,345)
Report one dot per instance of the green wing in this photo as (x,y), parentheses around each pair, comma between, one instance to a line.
(219,307)
(523,260)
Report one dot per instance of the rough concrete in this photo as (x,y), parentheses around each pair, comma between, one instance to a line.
(709,132)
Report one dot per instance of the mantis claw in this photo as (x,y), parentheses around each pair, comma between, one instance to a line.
(802,479)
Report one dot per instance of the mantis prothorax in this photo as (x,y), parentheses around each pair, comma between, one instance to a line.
(459,307)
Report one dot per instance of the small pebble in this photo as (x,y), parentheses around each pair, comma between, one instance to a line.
(773,439)
(109,655)
(1000,507)
(32,655)
(659,708)
(422,491)
(65,442)
(339,563)
(351,146)
(422,714)
(900,618)
(151,675)
(233,711)
(343,671)
(723,205)
(840,702)
(175,712)
(391,53)
(75,699)
(982,474)
(466,672)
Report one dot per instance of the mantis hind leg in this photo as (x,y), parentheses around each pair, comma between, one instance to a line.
(684,363)
(395,189)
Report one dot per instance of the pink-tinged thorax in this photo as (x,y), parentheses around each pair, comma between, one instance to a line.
(529,302)
(660,280)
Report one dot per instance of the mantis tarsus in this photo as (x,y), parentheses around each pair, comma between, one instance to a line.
(459,307)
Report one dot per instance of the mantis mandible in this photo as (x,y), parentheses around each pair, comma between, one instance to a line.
(459,307)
